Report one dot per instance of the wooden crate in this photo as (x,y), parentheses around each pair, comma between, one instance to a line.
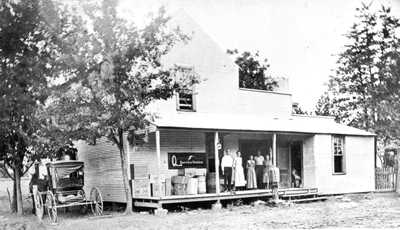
(141,187)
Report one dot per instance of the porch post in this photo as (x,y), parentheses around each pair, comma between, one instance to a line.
(274,148)
(217,189)
(158,152)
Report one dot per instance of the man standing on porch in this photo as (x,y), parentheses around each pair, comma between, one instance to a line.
(259,169)
(226,166)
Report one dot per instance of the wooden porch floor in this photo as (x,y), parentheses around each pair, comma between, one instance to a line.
(156,202)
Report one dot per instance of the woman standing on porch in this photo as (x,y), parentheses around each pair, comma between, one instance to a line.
(238,170)
(251,173)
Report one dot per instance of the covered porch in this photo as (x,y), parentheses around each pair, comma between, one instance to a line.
(178,149)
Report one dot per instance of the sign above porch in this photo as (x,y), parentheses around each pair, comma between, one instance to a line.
(186,160)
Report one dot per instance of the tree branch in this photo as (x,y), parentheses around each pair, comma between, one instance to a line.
(121,138)
(114,137)
(6,170)
(26,170)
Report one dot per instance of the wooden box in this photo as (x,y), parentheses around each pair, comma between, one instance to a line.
(141,187)
(156,192)
(168,187)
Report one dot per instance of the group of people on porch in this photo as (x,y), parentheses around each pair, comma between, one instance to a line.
(261,172)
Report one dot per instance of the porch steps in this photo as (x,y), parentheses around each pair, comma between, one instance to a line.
(312,199)
(303,196)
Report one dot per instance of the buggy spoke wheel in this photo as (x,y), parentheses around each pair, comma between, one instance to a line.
(82,194)
(39,209)
(96,201)
(51,207)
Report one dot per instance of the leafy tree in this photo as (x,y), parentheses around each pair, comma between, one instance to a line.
(117,74)
(363,92)
(30,51)
(296,109)
(327,104)
(253,71)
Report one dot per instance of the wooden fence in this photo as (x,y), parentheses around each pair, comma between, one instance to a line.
(386,179)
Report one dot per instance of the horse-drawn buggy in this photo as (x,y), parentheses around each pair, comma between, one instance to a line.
(65,183)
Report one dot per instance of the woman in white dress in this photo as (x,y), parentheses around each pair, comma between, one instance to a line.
(251,173)
(238,171)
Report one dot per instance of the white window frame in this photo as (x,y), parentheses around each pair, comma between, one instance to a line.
(339,143)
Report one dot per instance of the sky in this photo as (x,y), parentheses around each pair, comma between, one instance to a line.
(300,38)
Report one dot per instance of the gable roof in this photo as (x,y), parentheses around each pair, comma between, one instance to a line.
(200,51)
(235,122)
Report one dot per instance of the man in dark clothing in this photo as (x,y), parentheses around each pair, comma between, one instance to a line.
(259,169)
(37,180)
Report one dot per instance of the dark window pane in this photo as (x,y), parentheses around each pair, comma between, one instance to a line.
(185,101)
(338,164)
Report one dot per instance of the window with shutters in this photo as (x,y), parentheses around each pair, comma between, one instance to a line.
(185,101)
(338,147)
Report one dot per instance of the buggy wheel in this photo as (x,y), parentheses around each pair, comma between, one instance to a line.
(85,208)
(96,201)
(39,209)
(51,207)
(82,194)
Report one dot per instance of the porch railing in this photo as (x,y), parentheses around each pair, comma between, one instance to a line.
(386,179)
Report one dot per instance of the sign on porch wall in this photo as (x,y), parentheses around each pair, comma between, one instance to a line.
(186,160)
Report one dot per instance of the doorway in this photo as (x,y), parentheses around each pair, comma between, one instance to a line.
(250,147)
(296,162)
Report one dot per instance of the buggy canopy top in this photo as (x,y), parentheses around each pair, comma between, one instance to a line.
(64,168)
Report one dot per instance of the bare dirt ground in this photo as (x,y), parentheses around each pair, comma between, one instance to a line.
(359,211)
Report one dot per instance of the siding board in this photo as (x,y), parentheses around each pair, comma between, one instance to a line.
(102,169)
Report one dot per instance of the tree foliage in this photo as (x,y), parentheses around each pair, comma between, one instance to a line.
(118,72)
(30,53)
(364,91)
(253,71)
(296,109)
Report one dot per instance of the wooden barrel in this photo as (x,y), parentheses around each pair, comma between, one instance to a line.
(179,184)
(179,189)
(211,183)
(201,184)
(192,186)
(179,180)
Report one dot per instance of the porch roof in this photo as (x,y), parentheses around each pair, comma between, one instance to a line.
(260,123)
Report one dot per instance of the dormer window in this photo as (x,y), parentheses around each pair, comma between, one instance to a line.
(185,101)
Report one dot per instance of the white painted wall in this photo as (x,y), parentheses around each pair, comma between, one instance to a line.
(359,160)
(309,163)
(219,90)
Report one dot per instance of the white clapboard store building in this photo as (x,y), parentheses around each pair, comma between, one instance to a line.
(331,158)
